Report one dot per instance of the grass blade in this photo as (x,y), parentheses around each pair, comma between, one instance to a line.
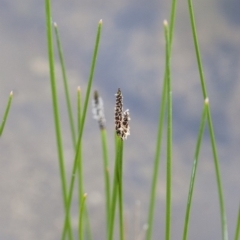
(6,113)
(151,207)
(66,89)
(78,149)
(213,142)
(56,112)
(194,169)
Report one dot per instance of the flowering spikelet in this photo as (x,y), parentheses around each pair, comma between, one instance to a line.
(97,110)
(125,124)
(121,119)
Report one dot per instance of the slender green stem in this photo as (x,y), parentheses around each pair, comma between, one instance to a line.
(82,208)
(80,170)
(218,177)
(6,113)
(151,207)
(106,175)
(169,137)
(198,56)
(79,104)
(114,190)
(213,142)
(237,232)
(194,169)
(67,95)
(56,112)
(172,23)
(120,189)
(78,149)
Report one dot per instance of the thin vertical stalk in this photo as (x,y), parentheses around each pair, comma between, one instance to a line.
(80,170)
(198,56)
(120,189)
(218,177)
(237,232)
(106,175)
(79,104)
(213,142)
(82,210)
(66,89)
(114,190)
(6,113)
(194,169)
(169,138)
(151,207)
(78,149)
(56,112)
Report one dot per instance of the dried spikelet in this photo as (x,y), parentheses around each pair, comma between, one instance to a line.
(98,111)
(125,124)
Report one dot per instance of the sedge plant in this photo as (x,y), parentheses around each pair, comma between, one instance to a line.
(56,114)
(83,118)
(114,189)
(98,114)
(122,131)
(152,200)
(210,125)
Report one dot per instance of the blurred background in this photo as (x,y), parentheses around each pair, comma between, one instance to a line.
(131,57)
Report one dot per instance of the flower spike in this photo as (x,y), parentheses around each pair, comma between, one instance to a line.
(121,118)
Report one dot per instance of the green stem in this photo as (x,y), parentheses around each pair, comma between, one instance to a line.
(151,208)
(79,108)
(198,56)
(106,175)
(194,169)
(56,112)
(120,187)
(80,171)
(237,232)
(114,190)
(218,177)
(6,113)
(169,137)
(82,210)
(213,142)
(78,149)
(67,95)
